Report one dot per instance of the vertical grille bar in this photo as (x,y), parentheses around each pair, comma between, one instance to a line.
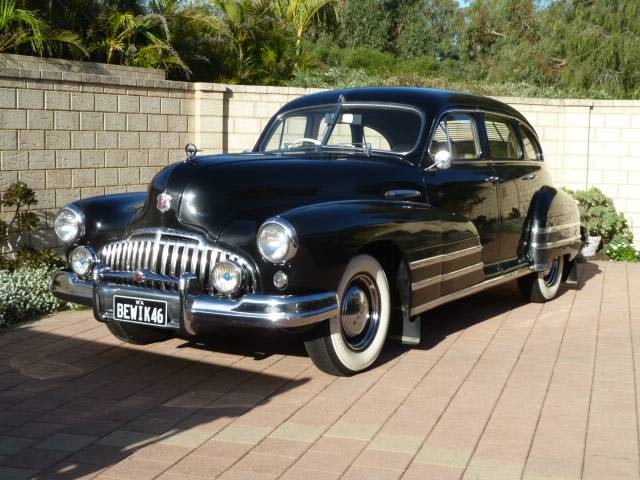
(174,259)
(185,259)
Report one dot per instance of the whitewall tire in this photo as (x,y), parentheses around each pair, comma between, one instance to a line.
(352,341)
(543,286)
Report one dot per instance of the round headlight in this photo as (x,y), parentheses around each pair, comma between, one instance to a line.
(69,224)
(277,240)
(227,277)
(82,260)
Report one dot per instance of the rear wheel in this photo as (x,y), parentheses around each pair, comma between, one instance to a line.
(137,334)
(350,342)
(543,286)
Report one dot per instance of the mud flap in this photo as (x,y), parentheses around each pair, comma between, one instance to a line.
(410,334)
(572,275)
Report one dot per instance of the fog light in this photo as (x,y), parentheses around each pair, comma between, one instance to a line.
(227,277)
(280,279)
(82,260)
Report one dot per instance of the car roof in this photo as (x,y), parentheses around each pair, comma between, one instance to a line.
(431,101)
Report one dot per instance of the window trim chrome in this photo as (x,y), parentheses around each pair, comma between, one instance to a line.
(483,157)
(395,106)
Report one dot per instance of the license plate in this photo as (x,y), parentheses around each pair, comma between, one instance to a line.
(140,310)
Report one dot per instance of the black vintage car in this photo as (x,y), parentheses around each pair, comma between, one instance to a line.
(356,212)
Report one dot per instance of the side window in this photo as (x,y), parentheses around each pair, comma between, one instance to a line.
(375,139)
(502,137)
(457,134)
(531,148)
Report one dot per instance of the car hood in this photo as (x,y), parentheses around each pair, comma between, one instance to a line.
(211,192)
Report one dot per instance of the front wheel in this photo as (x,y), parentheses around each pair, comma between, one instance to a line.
(543,286)
(350,342)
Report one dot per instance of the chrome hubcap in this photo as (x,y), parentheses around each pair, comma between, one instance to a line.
(360,312)
(551,277)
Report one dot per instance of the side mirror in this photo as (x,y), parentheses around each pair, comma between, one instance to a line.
(442,161)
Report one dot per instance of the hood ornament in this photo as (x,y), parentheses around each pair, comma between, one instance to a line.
(164,202)
(191,150)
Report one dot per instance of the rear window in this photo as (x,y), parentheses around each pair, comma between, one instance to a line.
(502,137)
(531,148)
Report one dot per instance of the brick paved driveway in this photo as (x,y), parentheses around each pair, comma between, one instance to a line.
(498,389)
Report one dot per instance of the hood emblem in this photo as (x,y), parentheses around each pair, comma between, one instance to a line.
(164,202)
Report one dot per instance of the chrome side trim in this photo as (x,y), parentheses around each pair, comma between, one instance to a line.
(427,282)
(445,257)
(470,290)
(462,272)
(557,243)
(447,276)
(555,228)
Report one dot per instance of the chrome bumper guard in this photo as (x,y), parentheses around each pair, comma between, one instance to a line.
(189,309)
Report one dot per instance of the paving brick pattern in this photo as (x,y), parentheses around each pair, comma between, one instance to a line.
(498,389)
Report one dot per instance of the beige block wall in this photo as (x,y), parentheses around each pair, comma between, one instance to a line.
(71,135)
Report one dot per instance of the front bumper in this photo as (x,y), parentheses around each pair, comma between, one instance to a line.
(188,310)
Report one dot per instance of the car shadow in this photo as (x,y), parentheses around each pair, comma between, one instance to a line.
(73,406)
(439,323)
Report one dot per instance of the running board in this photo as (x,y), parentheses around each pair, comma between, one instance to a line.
(492,282)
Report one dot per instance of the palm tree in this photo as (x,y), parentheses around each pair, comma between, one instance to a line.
(300,14)
(241,19)
(24,31)
(135,40)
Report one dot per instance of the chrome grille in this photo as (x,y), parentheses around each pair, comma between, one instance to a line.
(170,253)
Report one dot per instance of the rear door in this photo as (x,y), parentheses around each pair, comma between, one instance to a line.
(506,154)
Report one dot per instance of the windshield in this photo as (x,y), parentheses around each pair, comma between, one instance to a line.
(385,128)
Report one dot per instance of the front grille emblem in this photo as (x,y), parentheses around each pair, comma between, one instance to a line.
(138,276)
(164,202)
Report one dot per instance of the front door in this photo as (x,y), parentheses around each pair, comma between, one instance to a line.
(468,189)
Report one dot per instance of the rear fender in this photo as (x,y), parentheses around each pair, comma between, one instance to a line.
(554,227)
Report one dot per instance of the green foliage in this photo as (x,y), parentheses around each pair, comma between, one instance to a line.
(603,45)
(25,292)
(620,249)
(17,196)
(551,48)
(135,40)
(34,259)
(24,31)
(598,214)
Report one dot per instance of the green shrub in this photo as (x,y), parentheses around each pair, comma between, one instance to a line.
(598,214)
(620,249)
(26,292)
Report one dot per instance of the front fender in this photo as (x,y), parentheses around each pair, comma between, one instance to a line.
(330,234)
(107,217)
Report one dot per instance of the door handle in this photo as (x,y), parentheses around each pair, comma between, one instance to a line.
(529,177)
(402,194)
(492,179)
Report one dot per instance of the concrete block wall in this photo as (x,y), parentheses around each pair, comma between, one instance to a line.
(70,134)
(73,135)
(24,62)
